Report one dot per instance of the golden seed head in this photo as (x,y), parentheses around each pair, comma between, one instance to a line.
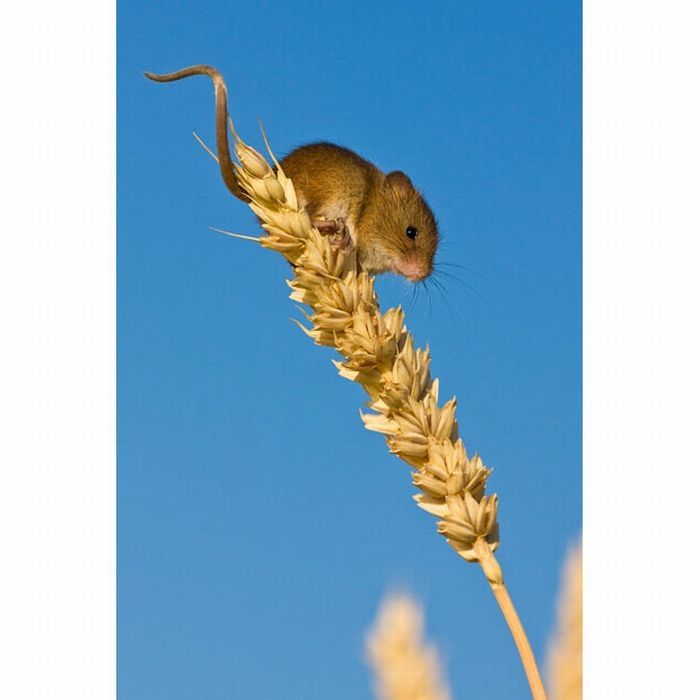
(379,353)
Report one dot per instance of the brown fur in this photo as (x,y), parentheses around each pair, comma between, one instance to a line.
(333,182)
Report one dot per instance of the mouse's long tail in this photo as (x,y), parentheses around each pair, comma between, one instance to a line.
(222,146)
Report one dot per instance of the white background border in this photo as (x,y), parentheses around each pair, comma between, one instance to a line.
(57,336)
(641,350)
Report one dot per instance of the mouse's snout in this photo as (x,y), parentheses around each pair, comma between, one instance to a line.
(413,269)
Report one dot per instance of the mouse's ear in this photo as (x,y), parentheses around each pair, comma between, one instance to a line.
(399,182)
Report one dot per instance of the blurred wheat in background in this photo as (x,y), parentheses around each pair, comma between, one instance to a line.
(564,663)
(405,666)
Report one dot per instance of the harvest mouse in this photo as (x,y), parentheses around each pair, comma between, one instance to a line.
(382,216)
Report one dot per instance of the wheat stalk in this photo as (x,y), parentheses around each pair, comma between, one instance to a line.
(404,666)
(379,353)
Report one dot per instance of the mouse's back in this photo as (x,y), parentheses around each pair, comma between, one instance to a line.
(324,173)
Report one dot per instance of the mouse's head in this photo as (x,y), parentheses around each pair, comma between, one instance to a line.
(404,233)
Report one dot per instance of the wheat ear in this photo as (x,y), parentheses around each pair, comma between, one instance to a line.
(405,667)
(379,353)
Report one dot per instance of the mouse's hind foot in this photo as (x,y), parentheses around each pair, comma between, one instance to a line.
(337,230)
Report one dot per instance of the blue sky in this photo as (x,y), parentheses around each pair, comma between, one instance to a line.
(259,523)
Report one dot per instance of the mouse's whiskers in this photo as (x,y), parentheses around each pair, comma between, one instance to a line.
(429,308)
(453,309)
(459,266)
(451,278)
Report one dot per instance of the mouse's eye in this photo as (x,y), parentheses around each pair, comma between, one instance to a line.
(412,233)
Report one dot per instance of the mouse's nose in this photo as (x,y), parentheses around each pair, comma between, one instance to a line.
(413,270)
